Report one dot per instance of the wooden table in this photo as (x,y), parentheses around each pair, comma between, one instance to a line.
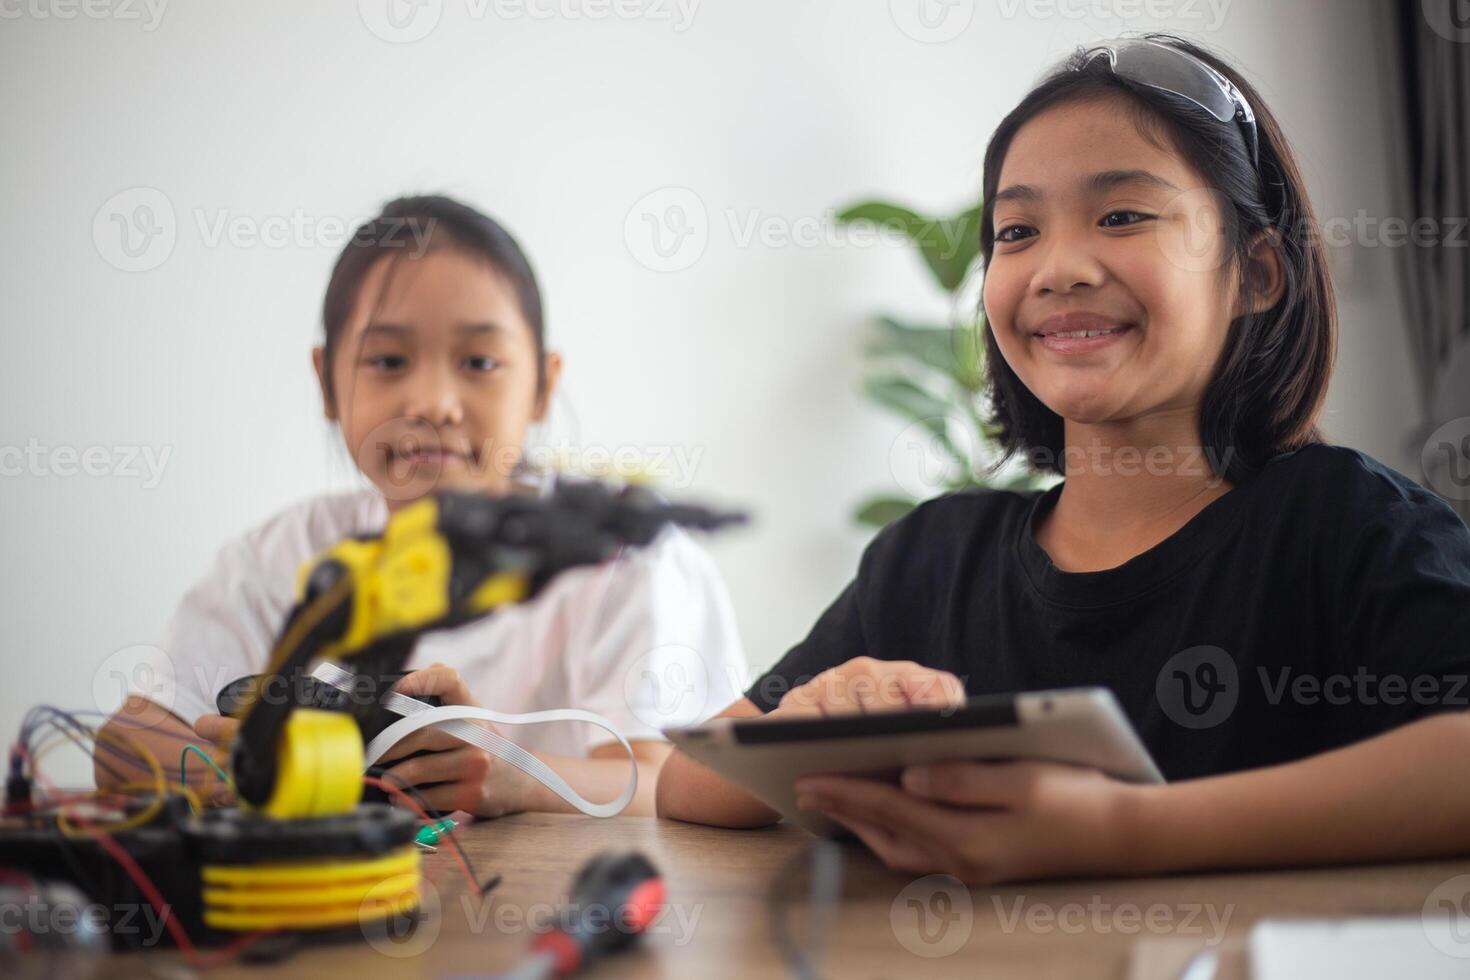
(719,923)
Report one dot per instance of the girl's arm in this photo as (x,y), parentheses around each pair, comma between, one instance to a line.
(1398,796)
(692,792)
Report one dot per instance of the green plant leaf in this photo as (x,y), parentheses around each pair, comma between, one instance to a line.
(948,246)
(882,511)
(953,351)
(884,215)
(932,347)
(909,400)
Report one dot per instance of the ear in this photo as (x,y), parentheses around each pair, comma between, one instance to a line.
(553,375)
(1264,272)
(319,365)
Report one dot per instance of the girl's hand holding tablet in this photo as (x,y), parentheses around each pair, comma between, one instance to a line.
(985,822)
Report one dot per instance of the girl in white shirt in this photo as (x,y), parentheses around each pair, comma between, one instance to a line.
(434,365)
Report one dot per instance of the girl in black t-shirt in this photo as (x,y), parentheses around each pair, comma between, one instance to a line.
(1154,292)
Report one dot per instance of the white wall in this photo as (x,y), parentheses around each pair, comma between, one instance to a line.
(770,110)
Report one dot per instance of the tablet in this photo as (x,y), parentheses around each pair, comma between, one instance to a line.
(1082,726)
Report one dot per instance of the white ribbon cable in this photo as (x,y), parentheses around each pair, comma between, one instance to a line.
(454,719)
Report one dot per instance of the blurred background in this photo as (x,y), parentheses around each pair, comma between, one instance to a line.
(178,178)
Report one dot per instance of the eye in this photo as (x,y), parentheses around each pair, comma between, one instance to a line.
(1014,233)
(479,364)
(387,362)
(1122,219)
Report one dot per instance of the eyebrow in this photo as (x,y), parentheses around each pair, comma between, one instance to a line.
(464,328)
(1104,180)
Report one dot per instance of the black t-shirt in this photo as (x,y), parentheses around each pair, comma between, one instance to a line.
(1321,602)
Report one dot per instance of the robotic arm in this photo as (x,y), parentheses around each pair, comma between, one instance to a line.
(440,562)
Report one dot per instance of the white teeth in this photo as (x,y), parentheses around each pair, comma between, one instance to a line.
(1079,334)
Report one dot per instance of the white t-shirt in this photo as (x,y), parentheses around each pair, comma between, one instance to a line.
(648,640)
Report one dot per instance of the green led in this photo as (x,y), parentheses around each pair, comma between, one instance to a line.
(431,833)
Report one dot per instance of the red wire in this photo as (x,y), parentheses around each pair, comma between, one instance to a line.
(176,929)
(414,805)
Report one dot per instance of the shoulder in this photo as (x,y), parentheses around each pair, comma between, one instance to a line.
(278,546)
(1352,486)
(672,561)
(949,525)
(1370,511)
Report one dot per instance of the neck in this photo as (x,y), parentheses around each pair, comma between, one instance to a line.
(1129,485)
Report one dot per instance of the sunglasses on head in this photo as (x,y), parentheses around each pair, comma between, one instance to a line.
(1180,73)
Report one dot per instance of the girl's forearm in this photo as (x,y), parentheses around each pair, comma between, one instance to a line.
(1400,796)
(691,792)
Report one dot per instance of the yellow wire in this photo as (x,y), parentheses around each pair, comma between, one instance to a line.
(143,816)
(307,621)
(60,741)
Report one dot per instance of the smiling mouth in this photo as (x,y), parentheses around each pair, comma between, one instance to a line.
(1078,333)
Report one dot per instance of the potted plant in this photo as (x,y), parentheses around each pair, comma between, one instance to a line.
(933,375)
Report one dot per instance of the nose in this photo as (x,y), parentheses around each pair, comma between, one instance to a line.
(1067,263)
(434,396)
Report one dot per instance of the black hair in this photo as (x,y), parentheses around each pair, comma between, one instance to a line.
(1267,389)
(409,226)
